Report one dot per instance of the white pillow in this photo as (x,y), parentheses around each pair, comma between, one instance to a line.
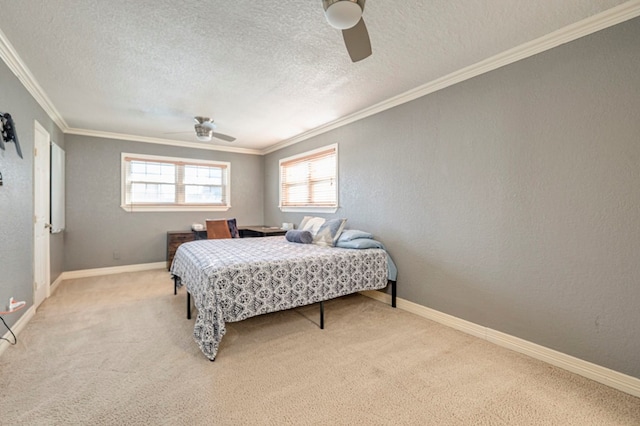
(311,224)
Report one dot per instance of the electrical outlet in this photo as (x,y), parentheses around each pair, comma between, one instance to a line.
(116,255)
(14,305)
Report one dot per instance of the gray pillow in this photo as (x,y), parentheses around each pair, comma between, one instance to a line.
(329,232)
(298,236)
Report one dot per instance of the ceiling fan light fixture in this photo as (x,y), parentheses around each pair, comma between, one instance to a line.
(205,130)
(203,134)
(209,125)
(342,14)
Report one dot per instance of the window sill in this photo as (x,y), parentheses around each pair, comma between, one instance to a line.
(309,209)
(141,209)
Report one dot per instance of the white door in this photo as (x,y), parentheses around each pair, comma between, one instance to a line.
(41,183)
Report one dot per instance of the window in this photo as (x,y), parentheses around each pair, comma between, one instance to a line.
(309,181)
(154,183)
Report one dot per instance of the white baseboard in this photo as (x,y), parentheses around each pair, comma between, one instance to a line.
(56,283)
(17,328)
(26,317)
(83,273)
(606,376)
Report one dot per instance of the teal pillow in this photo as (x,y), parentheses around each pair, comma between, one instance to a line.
(352,234)
(360,243)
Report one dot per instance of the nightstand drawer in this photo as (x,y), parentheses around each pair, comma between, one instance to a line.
(180,237)
(174,240)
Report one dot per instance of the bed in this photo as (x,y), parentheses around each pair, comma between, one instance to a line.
(234,279)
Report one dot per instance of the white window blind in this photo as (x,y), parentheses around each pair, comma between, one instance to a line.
(309,181)
(154,183)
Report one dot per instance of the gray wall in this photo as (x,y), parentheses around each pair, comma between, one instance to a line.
(511,200)
(16,197)
(97,226)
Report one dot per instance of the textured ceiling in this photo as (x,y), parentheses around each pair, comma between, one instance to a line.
(265,71)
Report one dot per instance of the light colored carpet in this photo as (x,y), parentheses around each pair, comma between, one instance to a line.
(118,350)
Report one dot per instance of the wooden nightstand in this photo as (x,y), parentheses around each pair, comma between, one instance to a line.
(174,239)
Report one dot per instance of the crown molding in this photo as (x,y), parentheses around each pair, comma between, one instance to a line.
(159,141)
(10,57)
(606,19)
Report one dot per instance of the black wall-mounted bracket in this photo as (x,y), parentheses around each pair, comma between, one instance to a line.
(8,132)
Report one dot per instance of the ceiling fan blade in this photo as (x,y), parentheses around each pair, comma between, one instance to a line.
(357,41)
(223,137)
(204,130)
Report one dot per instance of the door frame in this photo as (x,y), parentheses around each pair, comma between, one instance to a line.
(41,214)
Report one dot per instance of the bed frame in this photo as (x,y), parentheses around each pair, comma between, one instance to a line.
(235,279)
(176,284)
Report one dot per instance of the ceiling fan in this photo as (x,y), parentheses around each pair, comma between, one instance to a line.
(346,15)
(205,130)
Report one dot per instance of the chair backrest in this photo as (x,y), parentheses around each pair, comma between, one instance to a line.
(217,229)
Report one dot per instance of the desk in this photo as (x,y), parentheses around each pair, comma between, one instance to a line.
(260,231)
(248,232)
(200,235)
(175,238)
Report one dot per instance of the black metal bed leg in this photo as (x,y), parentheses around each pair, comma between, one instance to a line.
(322,315)
(188,305)
(175,284)
(393,294)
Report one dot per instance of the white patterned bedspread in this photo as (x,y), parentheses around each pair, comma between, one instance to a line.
(234,279)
